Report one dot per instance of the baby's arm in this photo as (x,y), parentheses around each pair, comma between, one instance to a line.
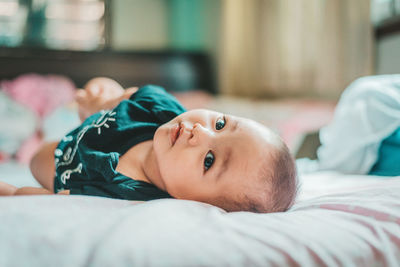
(101,93)
(42,165)
(10,190)
(7,189)
(37,191)
(32,191)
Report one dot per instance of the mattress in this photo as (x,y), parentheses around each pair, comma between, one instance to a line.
(338,220)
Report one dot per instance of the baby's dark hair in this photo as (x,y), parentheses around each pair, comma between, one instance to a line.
(276,185)
(282,176)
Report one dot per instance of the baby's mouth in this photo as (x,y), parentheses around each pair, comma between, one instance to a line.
(175,132)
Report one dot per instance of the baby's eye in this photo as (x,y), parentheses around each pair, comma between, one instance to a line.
(209,160)
(220,123)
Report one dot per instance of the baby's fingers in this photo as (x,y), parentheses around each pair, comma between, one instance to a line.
(80,95)
(94,90)
(131,90)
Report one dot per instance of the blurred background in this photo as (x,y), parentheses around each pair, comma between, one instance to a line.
(281,62)
(259,48)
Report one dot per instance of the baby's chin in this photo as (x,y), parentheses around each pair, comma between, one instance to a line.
(159,147)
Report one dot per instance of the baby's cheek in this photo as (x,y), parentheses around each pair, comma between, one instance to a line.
(178,182)
(168,170)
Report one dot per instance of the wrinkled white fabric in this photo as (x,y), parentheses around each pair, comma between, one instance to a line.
(339,220)
(368,112)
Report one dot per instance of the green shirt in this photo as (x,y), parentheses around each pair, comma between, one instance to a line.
(87,157)
(388,162)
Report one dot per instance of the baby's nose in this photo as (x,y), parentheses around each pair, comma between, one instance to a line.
(200,134)
(186,127)
(186,130)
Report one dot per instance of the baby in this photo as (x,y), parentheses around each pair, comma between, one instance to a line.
(141,144)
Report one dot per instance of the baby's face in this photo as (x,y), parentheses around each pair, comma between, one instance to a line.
(202,154)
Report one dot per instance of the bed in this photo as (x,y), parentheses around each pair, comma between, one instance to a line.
(337,220)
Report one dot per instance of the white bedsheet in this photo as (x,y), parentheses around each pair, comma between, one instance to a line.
(339,220)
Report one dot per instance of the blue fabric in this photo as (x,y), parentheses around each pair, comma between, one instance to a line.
(388,163)
(86,158)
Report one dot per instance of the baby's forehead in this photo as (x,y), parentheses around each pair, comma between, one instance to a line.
(259,131)
(258,142)
(247,122)
(246,159)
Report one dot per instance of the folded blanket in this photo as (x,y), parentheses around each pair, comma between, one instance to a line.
(368,112)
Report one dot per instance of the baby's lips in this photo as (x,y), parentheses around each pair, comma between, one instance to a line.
(174,133)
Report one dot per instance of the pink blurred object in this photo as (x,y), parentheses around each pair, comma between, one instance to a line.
(28,148)
(43,94)
(308,117)
(4,157)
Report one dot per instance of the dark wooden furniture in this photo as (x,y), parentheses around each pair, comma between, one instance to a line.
(174,70)
(388,27)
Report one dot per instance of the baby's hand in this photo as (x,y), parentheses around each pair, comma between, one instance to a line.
(100,93)
(96,94)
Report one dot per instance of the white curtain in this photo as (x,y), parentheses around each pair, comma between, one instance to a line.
(294,47)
